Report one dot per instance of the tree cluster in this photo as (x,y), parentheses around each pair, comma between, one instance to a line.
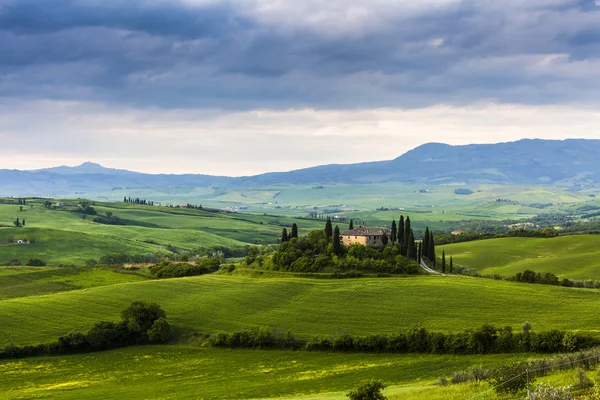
(485,340)
(19,223)
(167,269)
(109,219)
(141,323)
(254,338)
(137,200)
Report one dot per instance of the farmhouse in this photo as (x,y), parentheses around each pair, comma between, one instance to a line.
(366,236)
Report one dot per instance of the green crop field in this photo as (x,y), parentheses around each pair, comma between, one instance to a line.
(214,303)
(574,257)
(182,372)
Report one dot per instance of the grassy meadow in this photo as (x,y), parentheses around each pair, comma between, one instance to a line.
(573,257)
(214,303)
(65,237)
(182,372)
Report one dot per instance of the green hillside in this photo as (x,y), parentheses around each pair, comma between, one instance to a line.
(575,257)
(213,303)
(63,236)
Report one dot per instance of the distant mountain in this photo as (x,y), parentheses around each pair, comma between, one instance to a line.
(528,161)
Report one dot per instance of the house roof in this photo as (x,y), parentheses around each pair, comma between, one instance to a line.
(363,232)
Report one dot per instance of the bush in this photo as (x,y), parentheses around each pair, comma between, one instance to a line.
(368,390)
(166,269)
(141,315)
(35,262)
(510,379)
(160,332)
(13,262)
(548,392)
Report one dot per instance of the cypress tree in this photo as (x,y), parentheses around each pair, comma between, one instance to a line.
(23,222)
(410,246)
(406,242)
(419,253)
(450,264)
(443,261)
(294,233)
(394,232)
(337,246)
(351,226)
(431,251)
(328,228)
(400,235)
(284,235)
(425,243)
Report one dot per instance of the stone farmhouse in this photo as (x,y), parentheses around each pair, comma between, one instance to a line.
(368,237)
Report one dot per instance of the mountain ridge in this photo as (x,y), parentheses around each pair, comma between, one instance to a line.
(526,161)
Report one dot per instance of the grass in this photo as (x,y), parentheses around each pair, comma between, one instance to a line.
(574,257)
(32,281)
(214,303)
(66,237)
(180,372)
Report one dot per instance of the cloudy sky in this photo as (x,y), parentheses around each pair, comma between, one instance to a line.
(248,86)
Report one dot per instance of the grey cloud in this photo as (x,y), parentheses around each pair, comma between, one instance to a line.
(236,55)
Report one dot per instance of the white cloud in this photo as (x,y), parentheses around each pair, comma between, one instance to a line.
(47,133)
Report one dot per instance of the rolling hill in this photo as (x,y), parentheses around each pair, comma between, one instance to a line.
(573,257)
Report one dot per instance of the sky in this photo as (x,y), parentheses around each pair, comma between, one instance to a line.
(250,86)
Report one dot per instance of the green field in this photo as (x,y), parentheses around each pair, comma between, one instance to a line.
(31,281)
(39,304)
(65,237)
(182,372)
(213,303)
(573,257)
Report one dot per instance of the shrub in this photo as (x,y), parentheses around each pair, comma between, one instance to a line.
(368,390)
(140,315)
(160,332)
(548,392)
(510,379)
(35,262)
(583,382)
(13,262)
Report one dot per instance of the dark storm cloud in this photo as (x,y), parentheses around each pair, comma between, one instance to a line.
(281,54)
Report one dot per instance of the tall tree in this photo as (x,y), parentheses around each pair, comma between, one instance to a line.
(451,264)
(294,233)
(406,243)
(425,243)
(394,232)
(351,226)
(410,246)
(443,261)
(284,235)
(431,250)
(337,246)
(419,253)
(328,228)
(400,235)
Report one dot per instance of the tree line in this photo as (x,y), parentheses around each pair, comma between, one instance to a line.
(137,200)
(141,323)
(167,269)
(487,339)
